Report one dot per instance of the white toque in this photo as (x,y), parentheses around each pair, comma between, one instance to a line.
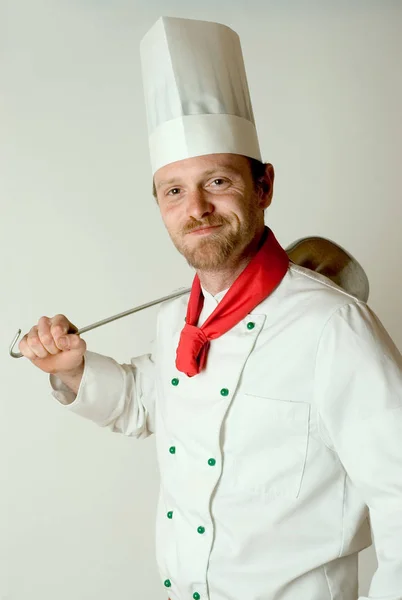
(196,92)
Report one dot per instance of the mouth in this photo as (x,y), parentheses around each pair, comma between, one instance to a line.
(204,230)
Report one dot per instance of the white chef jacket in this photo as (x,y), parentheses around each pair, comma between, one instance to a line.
(274,459)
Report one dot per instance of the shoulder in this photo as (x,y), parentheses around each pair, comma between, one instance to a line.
(306,281)
(305,294)
(344,325)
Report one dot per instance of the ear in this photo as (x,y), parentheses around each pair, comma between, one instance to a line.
(266,187)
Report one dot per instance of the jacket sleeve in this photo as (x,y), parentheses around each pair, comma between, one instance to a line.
(120,397)
(358,391)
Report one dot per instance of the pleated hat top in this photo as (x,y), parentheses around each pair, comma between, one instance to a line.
(196,92)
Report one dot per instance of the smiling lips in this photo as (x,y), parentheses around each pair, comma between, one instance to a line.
(204,230)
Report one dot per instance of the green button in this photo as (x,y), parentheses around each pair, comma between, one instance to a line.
(175,381)
(212,462)
(196,596)
(167,583)
(172,449)
(224,392)
(250,325)
(201,529)
(170,514)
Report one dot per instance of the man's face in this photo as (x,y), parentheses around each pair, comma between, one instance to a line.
(211,208)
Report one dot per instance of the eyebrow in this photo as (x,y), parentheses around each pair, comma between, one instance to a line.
(204,174)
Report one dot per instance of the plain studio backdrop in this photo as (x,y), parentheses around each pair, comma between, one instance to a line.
(81,235)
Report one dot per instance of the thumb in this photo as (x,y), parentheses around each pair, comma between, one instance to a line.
(72,342)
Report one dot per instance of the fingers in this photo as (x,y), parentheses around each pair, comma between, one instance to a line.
(25,349)
(49,337)
(70,342)
(45,336)
(59,328)
(34,343)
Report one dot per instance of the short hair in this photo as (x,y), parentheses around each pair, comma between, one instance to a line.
(257,173)
(257,169)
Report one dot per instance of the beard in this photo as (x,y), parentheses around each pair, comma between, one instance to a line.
(221,248)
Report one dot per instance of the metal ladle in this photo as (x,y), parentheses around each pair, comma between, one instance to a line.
(315,253)
(104,321)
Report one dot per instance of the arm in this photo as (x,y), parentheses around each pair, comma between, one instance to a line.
(118,396)
(72,379)
(358,390)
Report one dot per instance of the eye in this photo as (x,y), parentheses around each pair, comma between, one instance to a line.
(173,191)
(220,183)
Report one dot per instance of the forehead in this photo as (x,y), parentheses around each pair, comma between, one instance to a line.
(201,166)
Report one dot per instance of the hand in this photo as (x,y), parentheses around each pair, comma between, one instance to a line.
(54,346)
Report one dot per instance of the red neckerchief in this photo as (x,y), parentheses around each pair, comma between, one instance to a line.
(262,275)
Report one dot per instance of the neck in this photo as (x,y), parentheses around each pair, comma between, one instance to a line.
(217,281)
(221,279)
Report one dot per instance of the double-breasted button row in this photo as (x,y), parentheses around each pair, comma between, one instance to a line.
(172,449)
(211,462)
(200,528)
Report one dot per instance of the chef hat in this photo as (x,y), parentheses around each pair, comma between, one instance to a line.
(196,92)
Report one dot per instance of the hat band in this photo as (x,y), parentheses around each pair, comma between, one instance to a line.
(197,135)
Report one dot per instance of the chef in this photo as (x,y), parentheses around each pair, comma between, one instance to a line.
(275,396)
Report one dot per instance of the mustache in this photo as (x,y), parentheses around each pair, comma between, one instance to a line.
(208,222)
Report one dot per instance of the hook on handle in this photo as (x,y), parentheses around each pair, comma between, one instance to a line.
(15,340)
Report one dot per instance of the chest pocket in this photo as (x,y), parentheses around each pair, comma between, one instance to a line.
(265,445)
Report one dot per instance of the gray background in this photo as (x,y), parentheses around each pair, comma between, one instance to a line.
(80,234)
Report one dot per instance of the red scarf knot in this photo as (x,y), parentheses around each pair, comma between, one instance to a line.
(196,345)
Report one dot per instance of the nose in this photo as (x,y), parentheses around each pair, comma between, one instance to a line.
(198,204)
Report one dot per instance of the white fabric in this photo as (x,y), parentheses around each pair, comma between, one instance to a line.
(210,303)
(306,443)
(196,92)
